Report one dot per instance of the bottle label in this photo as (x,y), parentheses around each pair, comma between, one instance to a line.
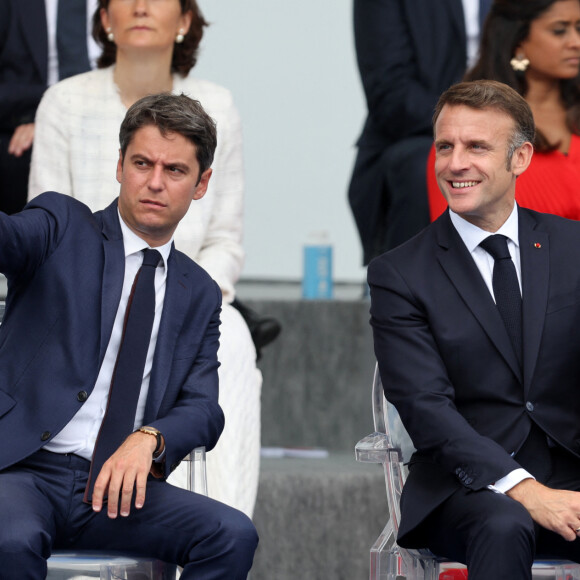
(317,279)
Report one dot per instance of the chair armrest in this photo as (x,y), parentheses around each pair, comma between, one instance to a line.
(196,471)
(373,448)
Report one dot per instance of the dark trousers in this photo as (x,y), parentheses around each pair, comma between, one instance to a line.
(495,535)
(41,508)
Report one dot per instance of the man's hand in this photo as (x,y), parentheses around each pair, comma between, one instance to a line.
(21,139)
(126,469)
(553,509)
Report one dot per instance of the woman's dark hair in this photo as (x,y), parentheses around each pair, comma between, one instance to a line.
(506,27)
(184,53)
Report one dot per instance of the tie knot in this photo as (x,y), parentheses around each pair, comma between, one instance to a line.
(496,245)
(151,257)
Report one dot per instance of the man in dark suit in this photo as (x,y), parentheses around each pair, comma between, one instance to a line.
(408,53)
(479,351)
(70,274)
(25,74)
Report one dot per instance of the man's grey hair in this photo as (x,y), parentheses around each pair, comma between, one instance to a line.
(172,114)
(486,94)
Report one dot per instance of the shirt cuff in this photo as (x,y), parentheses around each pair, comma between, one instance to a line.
(510,480)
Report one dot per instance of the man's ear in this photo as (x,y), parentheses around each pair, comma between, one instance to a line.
(521,158)
(201,187)
(120,167)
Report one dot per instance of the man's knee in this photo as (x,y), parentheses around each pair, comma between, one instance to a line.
(506,531)
(237,531)
(228,544)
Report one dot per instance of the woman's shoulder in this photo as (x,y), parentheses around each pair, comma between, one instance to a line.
(90,83)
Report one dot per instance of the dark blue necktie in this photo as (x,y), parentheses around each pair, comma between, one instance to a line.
(506,289)
(119,418)
(484,6)
(71,38)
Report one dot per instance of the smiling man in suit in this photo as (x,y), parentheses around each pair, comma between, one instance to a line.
(475,325)
(97,408)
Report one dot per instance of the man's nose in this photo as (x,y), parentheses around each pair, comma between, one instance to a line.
(156,178)
(458,160)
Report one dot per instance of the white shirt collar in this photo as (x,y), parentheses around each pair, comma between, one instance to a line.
(134,244)
(472,236)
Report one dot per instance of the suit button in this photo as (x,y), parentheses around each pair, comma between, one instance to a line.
(529,406)
(82,396)
(45,436)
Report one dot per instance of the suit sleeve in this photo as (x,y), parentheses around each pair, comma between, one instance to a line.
(416,382)
(28,238)
(195,419)
(398,102)
(18,100)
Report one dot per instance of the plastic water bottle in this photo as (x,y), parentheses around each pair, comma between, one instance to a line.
(317,275)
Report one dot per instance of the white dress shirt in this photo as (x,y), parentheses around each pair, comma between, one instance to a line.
(80,434)
(472,236)
(472,32)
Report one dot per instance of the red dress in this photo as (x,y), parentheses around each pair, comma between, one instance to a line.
(551,184)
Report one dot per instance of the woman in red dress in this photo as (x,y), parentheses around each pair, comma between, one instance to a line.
(534,47)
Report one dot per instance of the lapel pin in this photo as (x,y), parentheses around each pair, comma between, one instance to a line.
(537,245)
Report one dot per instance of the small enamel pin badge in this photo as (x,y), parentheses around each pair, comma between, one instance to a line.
(537,245)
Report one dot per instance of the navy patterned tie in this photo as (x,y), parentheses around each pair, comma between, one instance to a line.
(119,418)
(71,38)
(506,289)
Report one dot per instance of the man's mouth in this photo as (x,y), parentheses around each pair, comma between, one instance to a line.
(462,184)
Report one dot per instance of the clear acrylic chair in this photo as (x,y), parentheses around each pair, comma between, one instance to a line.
(391,446)
(63,565)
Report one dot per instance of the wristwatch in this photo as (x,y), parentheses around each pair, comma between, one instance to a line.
(157,434)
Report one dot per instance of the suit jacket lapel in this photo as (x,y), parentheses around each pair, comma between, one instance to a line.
(113,273)
(177,294)
(465,276)
(534,256)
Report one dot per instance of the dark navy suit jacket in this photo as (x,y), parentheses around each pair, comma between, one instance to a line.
(23,61)
(65,268)
(408,53)
(448,365)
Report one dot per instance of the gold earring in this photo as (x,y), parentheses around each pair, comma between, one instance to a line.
(180,36)
(520,63)
(110,35)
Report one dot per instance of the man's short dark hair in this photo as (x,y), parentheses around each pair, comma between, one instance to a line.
(173,114)
(485,94)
